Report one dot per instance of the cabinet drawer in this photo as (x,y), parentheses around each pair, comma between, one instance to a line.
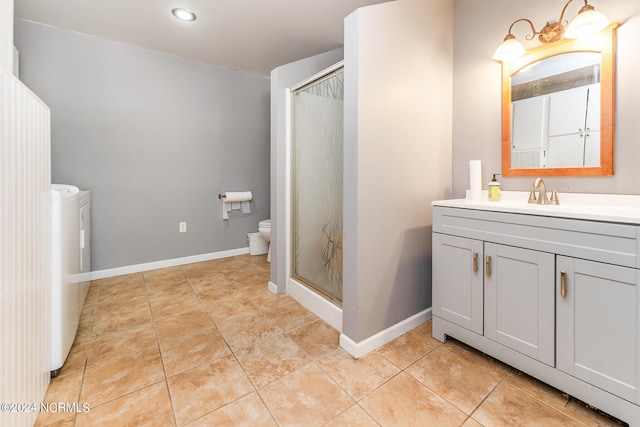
(592,240)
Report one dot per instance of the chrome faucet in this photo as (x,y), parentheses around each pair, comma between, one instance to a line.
(542,198)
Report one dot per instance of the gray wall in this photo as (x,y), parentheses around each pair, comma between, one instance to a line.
(398,103)
(155,138)
(480,27)
(282,78)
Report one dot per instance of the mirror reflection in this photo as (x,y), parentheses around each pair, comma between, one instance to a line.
(558,108)
(555,107)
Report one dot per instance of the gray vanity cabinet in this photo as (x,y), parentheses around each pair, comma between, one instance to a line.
(555,297)
(597,324)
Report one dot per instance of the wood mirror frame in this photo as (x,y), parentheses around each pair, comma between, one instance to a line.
(604,43)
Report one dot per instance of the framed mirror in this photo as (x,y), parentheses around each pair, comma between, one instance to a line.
(558,108)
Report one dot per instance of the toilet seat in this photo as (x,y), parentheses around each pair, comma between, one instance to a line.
(264,227)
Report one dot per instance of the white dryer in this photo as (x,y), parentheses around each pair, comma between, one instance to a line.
(67,296)
(85,241)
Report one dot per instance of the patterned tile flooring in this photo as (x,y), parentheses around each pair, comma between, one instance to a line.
(207,344)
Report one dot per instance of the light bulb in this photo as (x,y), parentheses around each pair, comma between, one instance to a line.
(509,50)
(586,23)
(183,14)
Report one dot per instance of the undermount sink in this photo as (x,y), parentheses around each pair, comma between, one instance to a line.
(594,207)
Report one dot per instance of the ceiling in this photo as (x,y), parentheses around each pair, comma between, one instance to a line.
(249,35)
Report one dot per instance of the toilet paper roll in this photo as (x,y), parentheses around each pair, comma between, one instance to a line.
(475,179)
(233,200)
(238,196)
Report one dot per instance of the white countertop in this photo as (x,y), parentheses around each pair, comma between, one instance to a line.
(593,207)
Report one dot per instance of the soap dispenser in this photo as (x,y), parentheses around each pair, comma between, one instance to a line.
(494,189)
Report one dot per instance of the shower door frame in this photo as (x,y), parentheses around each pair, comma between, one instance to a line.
(320,304)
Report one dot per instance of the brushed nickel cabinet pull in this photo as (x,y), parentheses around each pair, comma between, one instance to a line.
(563,283)
(488,265)
(475,262)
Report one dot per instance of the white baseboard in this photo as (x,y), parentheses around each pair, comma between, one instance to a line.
(362,348)
(137,268)
(272,287)
(321,307)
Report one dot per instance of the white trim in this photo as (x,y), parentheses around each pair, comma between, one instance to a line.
(119,271)
(272,287)
(360,349)
(318,76)
(318,305)
(287,191)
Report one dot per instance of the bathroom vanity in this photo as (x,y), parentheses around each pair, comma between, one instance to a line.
(550,290)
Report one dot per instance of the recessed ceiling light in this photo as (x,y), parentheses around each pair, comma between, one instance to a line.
(183,14)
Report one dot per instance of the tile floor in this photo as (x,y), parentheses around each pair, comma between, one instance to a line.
(207,345)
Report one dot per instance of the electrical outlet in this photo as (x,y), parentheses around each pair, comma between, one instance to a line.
(182,227)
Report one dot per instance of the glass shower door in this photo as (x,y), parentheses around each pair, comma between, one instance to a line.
(317,141)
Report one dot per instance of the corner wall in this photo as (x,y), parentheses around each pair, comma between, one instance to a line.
(398,105)
(480,26)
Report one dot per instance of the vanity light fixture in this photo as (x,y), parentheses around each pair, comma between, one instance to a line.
(183,14)
(587,22)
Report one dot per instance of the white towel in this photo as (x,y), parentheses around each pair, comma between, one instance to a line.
(225,210)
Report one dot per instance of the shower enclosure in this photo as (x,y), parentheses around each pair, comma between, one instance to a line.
(317,160)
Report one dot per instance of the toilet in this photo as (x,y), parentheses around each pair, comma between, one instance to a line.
(264,227)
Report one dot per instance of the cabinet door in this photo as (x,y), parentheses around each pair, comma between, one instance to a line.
(457,281)
(598,325)
(567,151)
(567,111)
(519,300)
(592,148)
(529,122)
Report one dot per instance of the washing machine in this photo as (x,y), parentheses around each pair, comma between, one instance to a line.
(67,296)
(85,242)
